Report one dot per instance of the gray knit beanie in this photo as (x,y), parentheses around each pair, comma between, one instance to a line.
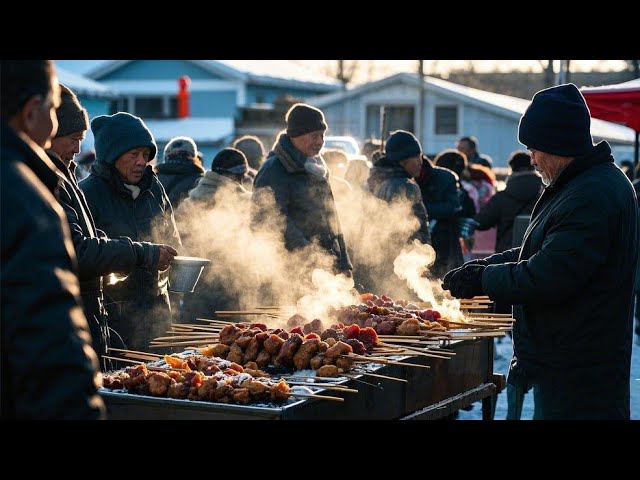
(180,149)
(72,117)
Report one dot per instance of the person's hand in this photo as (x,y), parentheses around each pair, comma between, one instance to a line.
(167,253)
(446,281)
(467,282)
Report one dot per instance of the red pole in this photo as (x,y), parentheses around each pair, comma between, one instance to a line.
(183,96)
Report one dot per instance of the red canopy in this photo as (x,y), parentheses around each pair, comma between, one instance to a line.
(618,103)
(615,103)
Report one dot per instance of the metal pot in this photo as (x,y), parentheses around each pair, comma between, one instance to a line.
(185,272)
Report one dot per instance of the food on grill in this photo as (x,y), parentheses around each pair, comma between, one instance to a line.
(226,383)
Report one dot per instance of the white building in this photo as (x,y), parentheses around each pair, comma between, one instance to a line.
(450,111)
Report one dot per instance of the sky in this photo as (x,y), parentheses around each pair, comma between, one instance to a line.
(369,70)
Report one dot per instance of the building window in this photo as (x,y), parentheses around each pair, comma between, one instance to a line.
(446,120)
(119,105)
(398,118)
(149,107)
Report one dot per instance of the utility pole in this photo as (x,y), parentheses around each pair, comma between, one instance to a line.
(420,124)
(560,77)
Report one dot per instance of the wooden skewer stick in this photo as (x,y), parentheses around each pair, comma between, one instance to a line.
(148,358)
(193,344)
(326,386)
(319,397)
(384,361)
(387,377)
(135,351)
(473,307)
(211,320)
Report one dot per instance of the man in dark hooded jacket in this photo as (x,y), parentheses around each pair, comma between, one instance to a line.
(392,178)
(571,282)
(127,200)
(297,176)
(97,254)
(48,369)
(180,170)
(524,187)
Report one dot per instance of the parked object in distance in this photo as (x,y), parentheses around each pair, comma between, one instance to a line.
(347,144)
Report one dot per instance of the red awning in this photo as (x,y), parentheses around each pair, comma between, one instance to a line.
(615,103)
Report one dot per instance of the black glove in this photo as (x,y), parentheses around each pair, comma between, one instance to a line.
(446,281)
(467,282)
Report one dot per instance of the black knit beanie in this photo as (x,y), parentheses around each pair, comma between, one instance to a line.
(179,150)
(230,160)
(72,117)
(558,122)
(117,134)
(302,118)
(402,144)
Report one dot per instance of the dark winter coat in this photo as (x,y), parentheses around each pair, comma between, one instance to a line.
(571,284)
(97,254)
(441,198)
(518,198)
(178,178)
(46,373)
(636,186)
(138,306)
(389,181)
(304,199)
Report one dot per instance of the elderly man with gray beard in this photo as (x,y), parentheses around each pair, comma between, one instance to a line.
(571,282)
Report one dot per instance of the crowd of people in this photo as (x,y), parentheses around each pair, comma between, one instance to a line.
(87,242)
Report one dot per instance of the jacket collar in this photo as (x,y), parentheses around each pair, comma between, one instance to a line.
(600,154)
(33,156)
(111,176)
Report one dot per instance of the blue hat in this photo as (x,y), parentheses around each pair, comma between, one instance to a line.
(558,122)
(117,134)
(402,144)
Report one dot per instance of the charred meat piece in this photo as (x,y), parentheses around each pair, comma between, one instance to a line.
(261,337)
(289,349)
(280,391)
(329,333)
(158,384)
(220,350)
(410,326)
(328,371)
(316,361)
(344,364)
(241,395)
(255,388)
(251,352)
(273,344)
(368,337)
(235,366)
(235,354)
(263,359)
(331,341)
(260,326)
(114,381)
(351,331)
(228,334)
(296,321)
(250,366)
(207,389)
(386,328)
(178,390)
(243,341)
(303,356)
(223,392)
(256,373)
(357,346)
(323,347)
(297,330)
(338,349)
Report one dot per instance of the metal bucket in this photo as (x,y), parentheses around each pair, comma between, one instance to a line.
(185,272)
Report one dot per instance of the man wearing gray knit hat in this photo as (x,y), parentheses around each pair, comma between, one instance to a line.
(97,255)
(127,200)
(180,170)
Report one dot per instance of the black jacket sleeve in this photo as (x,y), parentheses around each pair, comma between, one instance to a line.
(49,370)
(489,215)
(100,256)
(449,206)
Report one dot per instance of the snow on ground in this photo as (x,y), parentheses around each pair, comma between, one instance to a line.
(503,352)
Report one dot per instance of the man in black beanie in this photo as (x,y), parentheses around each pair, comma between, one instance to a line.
(571,281)
(298,177)
(97,254)
(127,200)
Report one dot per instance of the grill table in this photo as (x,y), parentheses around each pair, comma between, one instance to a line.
(429,394)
